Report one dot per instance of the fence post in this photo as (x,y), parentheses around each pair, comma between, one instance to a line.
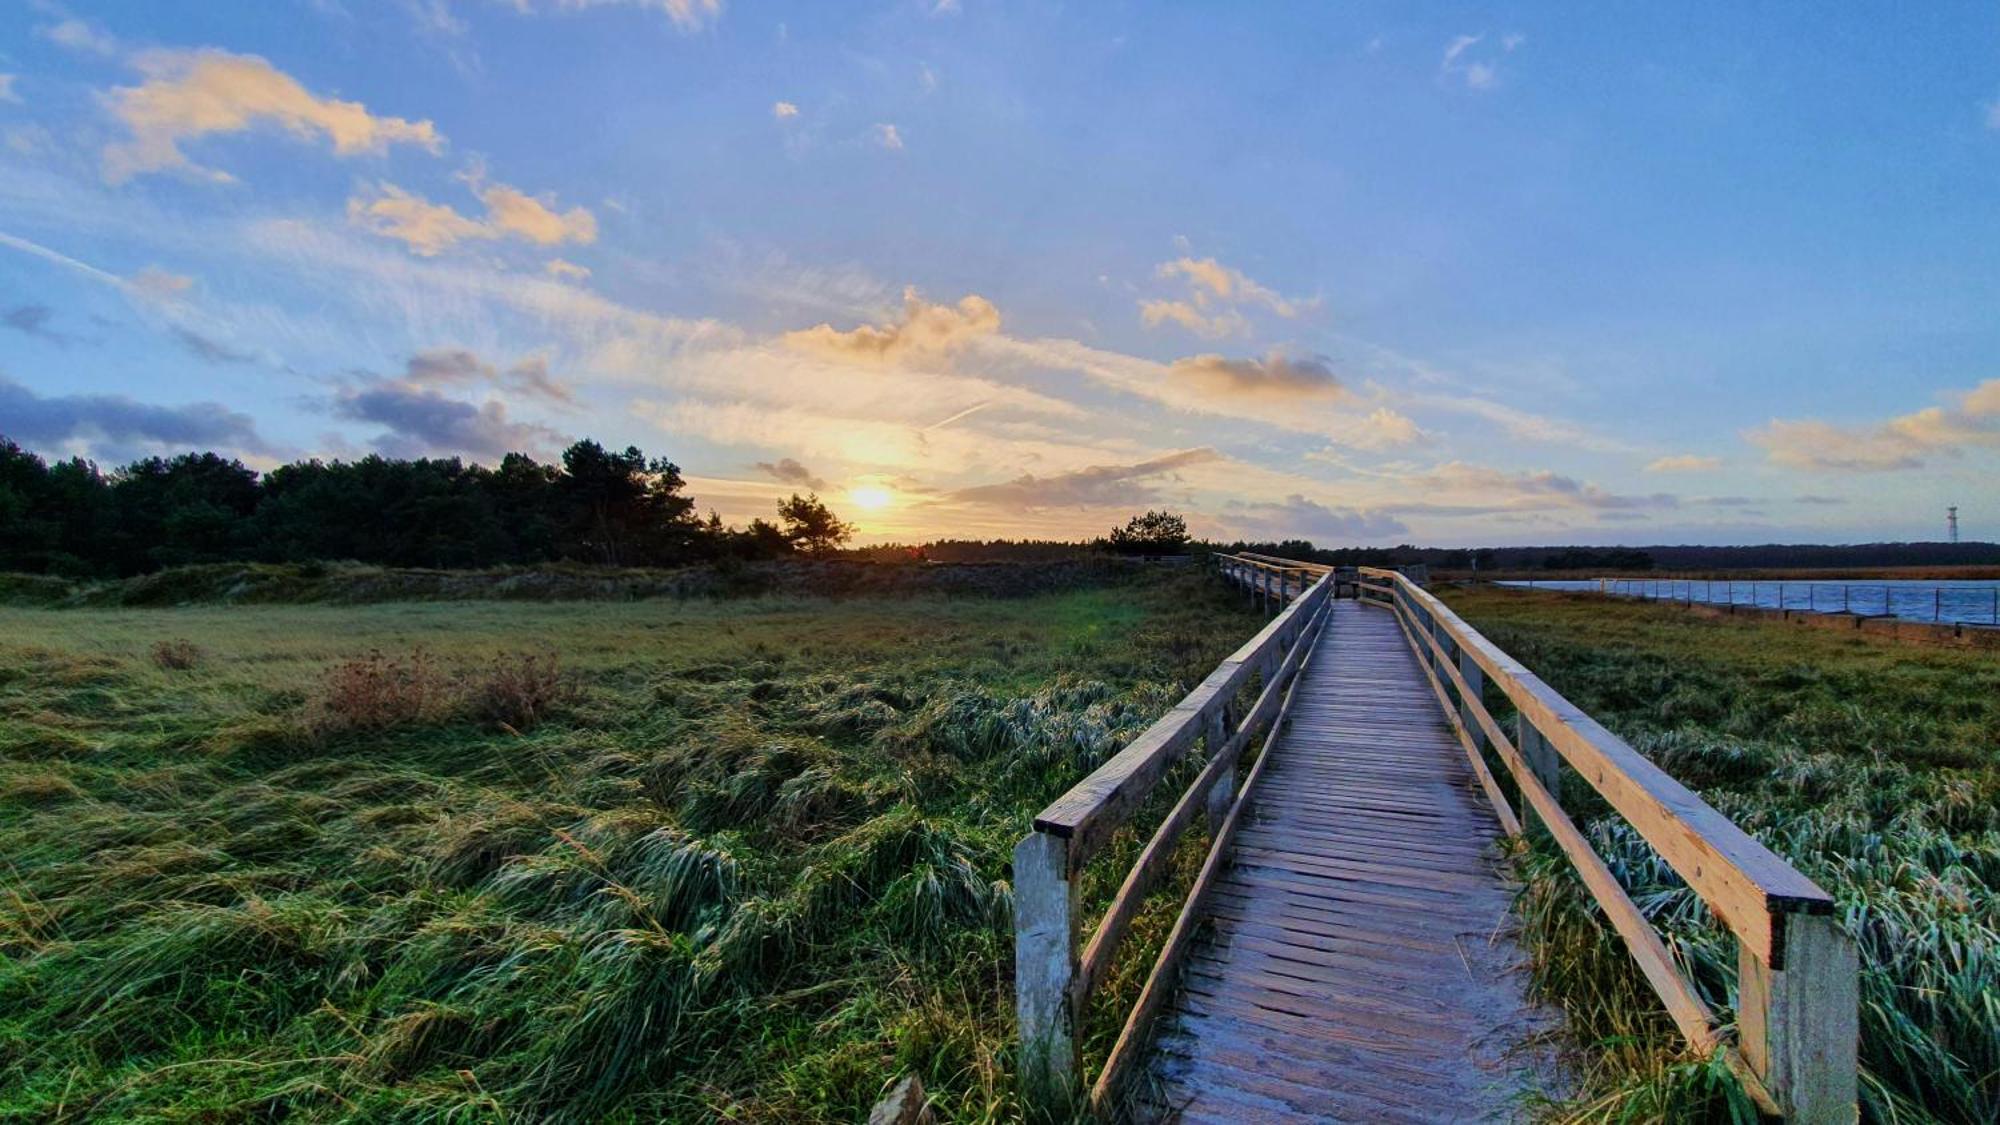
(1542,761)
(1475,685)
(1800,1027)
(1044,970)
(1215,733)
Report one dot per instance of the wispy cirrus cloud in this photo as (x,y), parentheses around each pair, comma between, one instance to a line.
(686,15)
(188,95)
(1683,463)
(1096,486)
(1297,517)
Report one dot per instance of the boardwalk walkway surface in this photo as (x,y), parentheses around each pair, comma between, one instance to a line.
(1355,965)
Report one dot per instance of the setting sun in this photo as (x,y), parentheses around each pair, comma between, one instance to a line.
(870,497)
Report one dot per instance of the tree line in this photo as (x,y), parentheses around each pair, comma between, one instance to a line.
(595,505)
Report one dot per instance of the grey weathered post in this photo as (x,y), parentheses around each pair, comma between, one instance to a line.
(1215,730)
(1475,684)
(1800,1027)
(1542,761)
(1044,967)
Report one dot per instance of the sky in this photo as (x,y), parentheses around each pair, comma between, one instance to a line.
(1361,273)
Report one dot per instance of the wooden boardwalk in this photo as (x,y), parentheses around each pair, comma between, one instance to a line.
(1345,951)
(1354,965)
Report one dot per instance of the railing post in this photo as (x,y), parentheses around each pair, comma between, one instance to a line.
(1542,761)
(1475,685)
(1799,1027)
(1223,793)
(1045,958)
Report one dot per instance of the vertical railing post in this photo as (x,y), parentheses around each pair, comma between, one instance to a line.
(1215,732)
(1045,959)
(1475,686)
(1799,1027)
(1542,761)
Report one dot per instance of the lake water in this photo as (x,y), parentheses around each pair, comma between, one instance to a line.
(1975,601)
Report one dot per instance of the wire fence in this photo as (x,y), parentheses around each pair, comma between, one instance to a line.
(1960,605)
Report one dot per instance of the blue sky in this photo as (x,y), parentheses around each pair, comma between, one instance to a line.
(1362,273)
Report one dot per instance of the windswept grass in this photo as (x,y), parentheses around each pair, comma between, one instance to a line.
(1875,769)
(489,861)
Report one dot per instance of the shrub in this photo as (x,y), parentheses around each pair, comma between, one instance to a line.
(177,655)
(521,689)
(377,692)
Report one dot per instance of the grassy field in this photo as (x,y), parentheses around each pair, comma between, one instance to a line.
(1874,768)
(684,860)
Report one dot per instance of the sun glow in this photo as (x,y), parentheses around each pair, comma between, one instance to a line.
(870,497)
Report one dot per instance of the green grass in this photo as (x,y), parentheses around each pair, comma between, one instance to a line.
(1873,767)
(741,860)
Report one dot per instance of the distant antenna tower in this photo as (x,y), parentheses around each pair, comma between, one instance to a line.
(1951,523)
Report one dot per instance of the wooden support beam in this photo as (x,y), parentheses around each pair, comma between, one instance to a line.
(1045,901)
(1799,1027)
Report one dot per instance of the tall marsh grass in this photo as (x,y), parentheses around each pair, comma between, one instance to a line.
(477,862)
(1874,769)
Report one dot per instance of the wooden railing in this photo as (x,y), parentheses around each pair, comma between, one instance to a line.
(1055,973)
(1797,1011)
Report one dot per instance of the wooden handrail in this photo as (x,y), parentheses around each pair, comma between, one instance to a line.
(1053,984)
(1797,1029)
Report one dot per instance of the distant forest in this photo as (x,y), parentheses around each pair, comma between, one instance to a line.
(595,506)
(611,508)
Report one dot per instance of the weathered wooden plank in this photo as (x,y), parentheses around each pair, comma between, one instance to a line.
(1340,934)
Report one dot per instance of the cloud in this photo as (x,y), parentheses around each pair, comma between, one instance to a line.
(927,332)
(782,110)
(430,228)
(1993,114)
(33,320)
(1524,425)
(1225,322)
(1215,295)
(566,271)
(1274,376)
(456,367)
(7,93)
(789,471)
(159,284)
(687,15)
(38,421)
(1907,441)
(1092,487)
(1460,489)
(1683,463)
(208,349)
(193,94)
(79,35)
(1478,70)
(889,137)
(1380,429)
(418,421)
(1300,518)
